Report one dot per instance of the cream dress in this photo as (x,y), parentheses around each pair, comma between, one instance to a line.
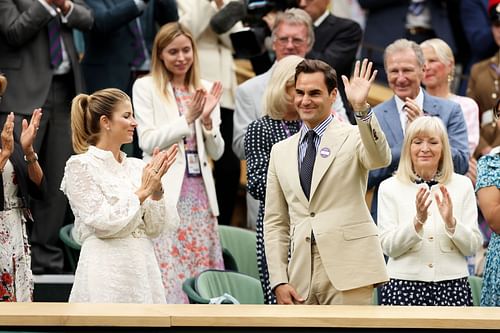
(117,261)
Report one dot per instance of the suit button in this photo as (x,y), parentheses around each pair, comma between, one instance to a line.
(312,214)
(431,238)
(204,163)
(308,239)
(430,265)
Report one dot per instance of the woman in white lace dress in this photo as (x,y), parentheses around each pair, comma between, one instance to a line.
(118,204)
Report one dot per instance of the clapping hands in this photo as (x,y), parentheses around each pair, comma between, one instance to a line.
(203,103)
(154,171)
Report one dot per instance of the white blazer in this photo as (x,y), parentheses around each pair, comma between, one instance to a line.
(160,125)
(433,254)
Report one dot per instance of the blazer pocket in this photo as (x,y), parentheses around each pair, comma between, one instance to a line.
(343,158)
(362,230)
(447,246)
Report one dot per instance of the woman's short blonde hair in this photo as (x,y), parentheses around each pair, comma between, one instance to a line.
(432,126)
(443,50)
(276,99)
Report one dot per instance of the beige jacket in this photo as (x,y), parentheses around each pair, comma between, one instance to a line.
(337,213)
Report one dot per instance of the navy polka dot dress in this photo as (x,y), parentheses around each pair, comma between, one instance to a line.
(260,137)
(454,292)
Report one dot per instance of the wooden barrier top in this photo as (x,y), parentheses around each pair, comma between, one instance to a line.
(139,315)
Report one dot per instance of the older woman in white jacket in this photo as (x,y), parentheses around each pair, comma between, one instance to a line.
(427,220)
(173,105)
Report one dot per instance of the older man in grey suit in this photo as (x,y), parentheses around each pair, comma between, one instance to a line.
(293,34)
(38,57)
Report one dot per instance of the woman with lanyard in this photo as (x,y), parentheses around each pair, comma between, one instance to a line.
(173,105)
(280,120)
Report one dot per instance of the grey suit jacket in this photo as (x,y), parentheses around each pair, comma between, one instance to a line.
(248,107)
(24,51)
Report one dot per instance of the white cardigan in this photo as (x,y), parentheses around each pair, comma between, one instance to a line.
(433,254)
(160,125)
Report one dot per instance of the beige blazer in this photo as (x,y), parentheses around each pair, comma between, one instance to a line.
(160,125)
(346,237)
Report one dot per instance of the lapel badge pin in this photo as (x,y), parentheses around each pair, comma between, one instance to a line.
(324,152)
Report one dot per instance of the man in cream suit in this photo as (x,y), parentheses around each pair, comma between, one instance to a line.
(323,221)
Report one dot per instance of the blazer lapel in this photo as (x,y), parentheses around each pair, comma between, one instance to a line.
(330,144)
(293,168)
(430,107)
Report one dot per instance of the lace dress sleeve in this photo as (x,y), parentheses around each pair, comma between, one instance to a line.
(159,217)
(107,209)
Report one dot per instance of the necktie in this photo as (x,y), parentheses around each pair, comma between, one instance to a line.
(306,169)
(137,45)
(416,8)
(55,42)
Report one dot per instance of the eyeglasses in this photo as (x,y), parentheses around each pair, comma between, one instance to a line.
(284,40)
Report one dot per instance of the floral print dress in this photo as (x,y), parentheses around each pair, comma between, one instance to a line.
(195,246)
(15,261)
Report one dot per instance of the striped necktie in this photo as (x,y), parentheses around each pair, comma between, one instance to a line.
(55,44)
(137,44)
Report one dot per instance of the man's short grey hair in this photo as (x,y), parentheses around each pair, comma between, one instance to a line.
(403,45)
(295,16)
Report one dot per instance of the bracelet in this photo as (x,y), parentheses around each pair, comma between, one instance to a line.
(418,220)
(451,229)
(31,160)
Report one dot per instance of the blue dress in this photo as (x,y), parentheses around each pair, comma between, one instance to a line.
(488,174)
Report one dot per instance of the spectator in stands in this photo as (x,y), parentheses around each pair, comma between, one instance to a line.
(292,34)
(336,41)
(173,105)
(416,20)
(216,64)
(118,47)
(19,178)
(427,220)
(280,121)
(39,56)
(438,75)
(476,26)
(404,65)
(484,88)
(118,204)
(488,195)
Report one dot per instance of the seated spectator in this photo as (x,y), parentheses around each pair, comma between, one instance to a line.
(280,121)
(19,178)
(488,195)
(427,219)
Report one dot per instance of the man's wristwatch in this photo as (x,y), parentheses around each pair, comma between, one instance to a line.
(31,160)
(363,112)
